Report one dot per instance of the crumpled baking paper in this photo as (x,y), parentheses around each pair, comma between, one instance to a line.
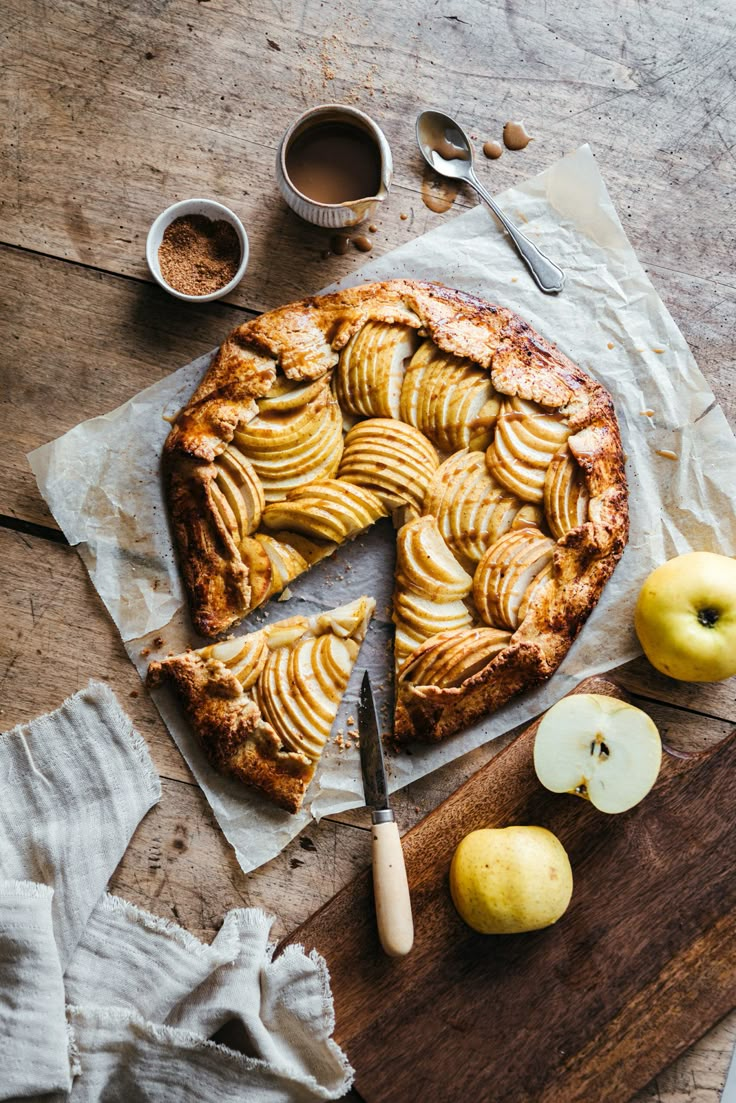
(101,481)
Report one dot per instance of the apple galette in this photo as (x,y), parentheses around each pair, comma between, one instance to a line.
(263,704)
(498,459)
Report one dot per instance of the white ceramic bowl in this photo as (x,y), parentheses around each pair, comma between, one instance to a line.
(210,209)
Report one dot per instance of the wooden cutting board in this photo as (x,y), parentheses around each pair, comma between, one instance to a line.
(587,1011)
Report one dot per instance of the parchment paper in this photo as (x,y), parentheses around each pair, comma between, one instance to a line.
(101,480)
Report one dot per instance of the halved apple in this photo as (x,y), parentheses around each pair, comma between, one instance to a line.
(328,509)
(599,748)
(526,438)
(505,573)
(392,459)
(371,369)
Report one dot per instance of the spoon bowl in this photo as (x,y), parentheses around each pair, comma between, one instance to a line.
(446,148)
(444,145)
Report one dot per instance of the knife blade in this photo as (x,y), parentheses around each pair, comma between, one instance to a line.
(728,1095)
(390,885)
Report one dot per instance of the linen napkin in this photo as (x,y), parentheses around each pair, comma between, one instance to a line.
(101,1000)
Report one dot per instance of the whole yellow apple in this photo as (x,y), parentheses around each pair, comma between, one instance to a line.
(686,617)
(510,879)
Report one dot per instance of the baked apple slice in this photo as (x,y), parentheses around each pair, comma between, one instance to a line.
(291,448)
(565,494)
(430,587)
(418,618)
(286,562)
(288,394)
(451,400)
(527,437)
(471,508)
(505,573)
(426,566)
(393,460)
(328,509)
(451,657)
(371,369)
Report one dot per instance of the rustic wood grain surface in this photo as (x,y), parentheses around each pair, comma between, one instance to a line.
(109,112)
(646,950)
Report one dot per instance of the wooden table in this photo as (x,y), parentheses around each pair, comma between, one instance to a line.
(112,111)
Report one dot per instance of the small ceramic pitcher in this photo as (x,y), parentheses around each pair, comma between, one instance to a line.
(334,216)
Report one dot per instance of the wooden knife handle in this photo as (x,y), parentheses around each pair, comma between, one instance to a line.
(391,890)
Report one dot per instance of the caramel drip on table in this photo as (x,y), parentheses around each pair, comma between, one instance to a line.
(515,136)
(340,243)
(439,194)
(492,150)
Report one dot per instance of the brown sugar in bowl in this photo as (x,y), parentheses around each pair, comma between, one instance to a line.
(191,272)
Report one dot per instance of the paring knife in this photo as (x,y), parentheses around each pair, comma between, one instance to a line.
(390,886)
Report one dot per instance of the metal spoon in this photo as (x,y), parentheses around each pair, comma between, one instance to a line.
(446,148)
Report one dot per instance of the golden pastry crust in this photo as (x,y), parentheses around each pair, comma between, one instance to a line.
(304,341)
(231,731)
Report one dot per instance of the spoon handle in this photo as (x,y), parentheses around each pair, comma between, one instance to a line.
(549,277)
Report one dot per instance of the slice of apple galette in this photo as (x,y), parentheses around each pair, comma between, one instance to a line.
(263,704)
(498,459)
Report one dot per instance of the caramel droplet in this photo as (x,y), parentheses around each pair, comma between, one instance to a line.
(439,194)
(647,413)
(403,217)
(665,452)
(492,150)
(339,244)
(362,243)
(515,136)
(611,345)
(372,229)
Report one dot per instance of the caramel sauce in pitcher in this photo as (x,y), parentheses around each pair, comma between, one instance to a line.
(334,163)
